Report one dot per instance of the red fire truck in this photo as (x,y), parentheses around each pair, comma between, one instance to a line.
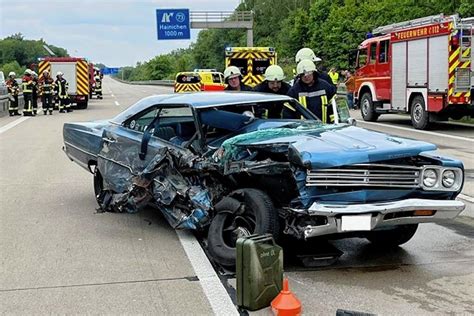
(422,67)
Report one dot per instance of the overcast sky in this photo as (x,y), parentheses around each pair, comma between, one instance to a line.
(114,32)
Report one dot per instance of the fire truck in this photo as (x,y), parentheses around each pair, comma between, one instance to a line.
(421,67)
(76,72)
(252,62)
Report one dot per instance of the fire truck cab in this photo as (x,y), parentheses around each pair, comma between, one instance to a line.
(421,67)
(252,62)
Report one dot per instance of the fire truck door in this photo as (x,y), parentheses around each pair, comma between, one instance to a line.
(399,82)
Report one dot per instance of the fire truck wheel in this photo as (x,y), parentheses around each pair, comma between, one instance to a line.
(420,118)
(367,108)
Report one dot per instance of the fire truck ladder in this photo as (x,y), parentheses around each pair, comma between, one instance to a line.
(412,23)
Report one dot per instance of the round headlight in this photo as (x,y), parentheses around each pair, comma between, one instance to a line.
(449,178)
(430,177)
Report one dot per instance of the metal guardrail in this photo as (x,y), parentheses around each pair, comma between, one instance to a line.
(221,16)
(4,104)
(147,82)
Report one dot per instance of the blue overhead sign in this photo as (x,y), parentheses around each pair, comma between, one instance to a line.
(109,71)
(173,24)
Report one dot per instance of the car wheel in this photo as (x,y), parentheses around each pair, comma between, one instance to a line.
(420,118)
(392,237)
(367,108)
(243,213)
(99,187)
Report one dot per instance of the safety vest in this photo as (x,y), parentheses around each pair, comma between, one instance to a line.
(334,77)
(62,86)
(46,85)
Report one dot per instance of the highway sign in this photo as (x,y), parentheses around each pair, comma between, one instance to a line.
(110,71)
(173,24)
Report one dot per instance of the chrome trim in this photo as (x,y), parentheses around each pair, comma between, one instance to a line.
(118,163)
(78,148)
(445,209)
(439,185)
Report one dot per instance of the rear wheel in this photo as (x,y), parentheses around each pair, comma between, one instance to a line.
(367,108)
(243,213)
(391,238)
(420,118)
(99,187)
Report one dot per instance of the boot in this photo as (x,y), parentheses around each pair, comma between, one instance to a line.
(50,112)
(45,112)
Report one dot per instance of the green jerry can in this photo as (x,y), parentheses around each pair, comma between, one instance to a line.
(259,271)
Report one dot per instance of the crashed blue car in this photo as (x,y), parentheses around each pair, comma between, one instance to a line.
(235,164)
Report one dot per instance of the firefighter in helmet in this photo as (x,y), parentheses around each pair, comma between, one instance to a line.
(46,85)
(312,92)
(233,79)
(13,91)
(27,87)
(306,53)
(35,92)
(273,83)
(98,84)
(61,89)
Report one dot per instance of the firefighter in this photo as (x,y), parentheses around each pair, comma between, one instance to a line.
(34,95)
(273,83)
(233,79)
(13,91)
(98,84)
(27,86)
(307,53)
(312,92)
(46,86)
(61,89)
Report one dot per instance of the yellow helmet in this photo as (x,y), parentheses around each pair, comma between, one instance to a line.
(274,73)
(231,71)
(306,53)
(305,66)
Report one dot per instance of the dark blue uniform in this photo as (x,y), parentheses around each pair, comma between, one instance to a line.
(315,98)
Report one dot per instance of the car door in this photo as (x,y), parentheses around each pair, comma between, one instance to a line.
(119,159)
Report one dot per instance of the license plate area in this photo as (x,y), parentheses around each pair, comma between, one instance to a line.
(356,222)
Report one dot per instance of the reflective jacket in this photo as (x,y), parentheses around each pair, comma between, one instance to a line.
(61,87)
(315,98)
(27,84)
(46,85)
(334,77)
(13,87)
(272,110)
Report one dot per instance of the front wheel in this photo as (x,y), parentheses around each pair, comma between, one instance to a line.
(420,118)
(391,238)
(243,213)
(367,108)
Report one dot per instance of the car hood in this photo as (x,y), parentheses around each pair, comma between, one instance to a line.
(332,146)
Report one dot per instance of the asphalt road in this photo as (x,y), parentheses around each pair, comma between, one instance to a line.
(59,256)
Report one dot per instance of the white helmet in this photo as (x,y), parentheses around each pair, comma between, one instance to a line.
(28,72)
(306,53)
(305,66)
(45,72)
(231,72)
(274,73)
(34,74)
(12,74)
(59,73)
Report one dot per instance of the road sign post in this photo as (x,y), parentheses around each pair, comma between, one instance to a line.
(173,24)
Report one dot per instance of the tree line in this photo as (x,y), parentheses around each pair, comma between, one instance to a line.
(18,53)
(332,28)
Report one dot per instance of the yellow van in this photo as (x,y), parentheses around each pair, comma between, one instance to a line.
(199,80)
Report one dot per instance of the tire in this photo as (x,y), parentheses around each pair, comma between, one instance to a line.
(420,118)
(367,109)
(244,212)
(82,105)
(393,237)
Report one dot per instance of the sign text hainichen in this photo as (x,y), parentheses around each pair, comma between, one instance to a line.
(173,24)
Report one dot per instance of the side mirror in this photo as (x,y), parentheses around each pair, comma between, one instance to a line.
(352,121)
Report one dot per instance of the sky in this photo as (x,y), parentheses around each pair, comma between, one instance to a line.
(113,32)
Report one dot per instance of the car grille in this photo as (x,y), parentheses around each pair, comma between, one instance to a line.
(367,175)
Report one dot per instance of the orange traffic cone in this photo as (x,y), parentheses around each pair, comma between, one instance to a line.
(286,303)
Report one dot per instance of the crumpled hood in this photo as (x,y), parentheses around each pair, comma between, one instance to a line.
(346,145)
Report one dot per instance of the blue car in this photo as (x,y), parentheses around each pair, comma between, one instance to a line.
(235,164)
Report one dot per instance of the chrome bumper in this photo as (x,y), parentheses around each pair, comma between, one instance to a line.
(445,209)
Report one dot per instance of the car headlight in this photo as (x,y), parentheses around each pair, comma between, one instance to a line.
(449,178)
(430,177)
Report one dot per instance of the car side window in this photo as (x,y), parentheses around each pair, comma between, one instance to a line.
(140,121)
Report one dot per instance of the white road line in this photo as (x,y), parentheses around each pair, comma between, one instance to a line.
(116,103)
(12,124)
(213,289)
(466,198)
(422,132)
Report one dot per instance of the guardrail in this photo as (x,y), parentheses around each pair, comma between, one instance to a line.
(220,16)
(148,82)
(4,104)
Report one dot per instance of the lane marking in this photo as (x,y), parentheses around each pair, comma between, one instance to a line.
(13,124)
(418,131)
(215,292)
(466,198)
(112,95)
(116,103)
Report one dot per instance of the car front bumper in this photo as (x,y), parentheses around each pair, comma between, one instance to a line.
(378,215)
